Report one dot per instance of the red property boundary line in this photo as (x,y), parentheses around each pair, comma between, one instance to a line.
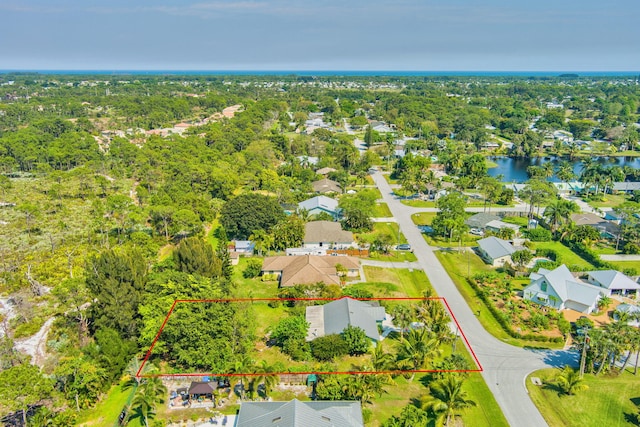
(173,306)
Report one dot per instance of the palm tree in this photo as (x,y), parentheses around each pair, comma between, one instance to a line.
(380,359)
(417,348)
(266,376)
(446,399)
(559,212)
(151,393)
(262,240)
(569,381)
(242,366)
(565,172)
(402,317)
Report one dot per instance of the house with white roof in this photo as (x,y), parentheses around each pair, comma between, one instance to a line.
(613,282)
(319,204)
(497,225)
(494,251)
(561,290)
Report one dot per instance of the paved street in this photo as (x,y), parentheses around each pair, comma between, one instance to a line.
(505,367)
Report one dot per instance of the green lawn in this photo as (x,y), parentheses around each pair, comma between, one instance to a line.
(567,256)
(381,210)
(423,218)
(459,266)
(610,201)
(390,228)
(467,240)
(392,256)
(624,265)
(608,401)
(522,221)
(408,283)
(106,412)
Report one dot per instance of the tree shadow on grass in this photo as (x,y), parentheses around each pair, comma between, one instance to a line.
(554,388)
(631,417)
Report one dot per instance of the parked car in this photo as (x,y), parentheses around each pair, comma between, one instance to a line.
(476,232)
(404,247)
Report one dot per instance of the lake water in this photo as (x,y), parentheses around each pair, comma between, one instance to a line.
(515,170)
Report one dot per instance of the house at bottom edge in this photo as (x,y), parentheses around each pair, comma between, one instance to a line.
(295,413)
(559,289)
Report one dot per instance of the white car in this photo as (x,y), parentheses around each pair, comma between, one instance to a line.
(476,232)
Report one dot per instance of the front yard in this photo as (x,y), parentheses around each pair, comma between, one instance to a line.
(610,401)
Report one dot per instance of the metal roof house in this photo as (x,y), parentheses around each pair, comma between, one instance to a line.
(334,317)
(295,413)
(559,289)
(613,282)
(494,251)
(319,204)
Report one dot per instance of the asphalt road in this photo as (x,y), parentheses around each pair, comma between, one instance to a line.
(505,367)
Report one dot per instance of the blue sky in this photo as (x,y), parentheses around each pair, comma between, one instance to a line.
(420,35)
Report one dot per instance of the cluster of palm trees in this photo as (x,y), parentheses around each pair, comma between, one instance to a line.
(610,348)
(261,377)
(597,175)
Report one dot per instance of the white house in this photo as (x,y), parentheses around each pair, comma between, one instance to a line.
(613,282)
(494,251)
(327,235)
(320,204)
(561,290)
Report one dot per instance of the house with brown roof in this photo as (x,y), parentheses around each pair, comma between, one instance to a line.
(326,185)
(327,235)
(307,269)
(606,228)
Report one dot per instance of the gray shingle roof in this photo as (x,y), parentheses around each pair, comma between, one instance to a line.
(347,311)
(496,248)
(480,220)
(300,414)
(327,232)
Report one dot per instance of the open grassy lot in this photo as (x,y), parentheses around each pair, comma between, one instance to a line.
(409,283)
(608,201)
(609,401)
(381,210)
(567,256)
(463,265)
(624,265)
(390,228)
(423,218)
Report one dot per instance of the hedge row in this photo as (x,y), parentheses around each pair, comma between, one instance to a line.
(504,321)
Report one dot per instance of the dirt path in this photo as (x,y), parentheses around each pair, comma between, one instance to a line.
(35,346)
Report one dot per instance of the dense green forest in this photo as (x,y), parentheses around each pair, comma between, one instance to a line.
(107,217)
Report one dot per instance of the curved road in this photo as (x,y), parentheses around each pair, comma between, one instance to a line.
(505,367)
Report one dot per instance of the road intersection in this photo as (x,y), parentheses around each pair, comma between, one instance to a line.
(505,367)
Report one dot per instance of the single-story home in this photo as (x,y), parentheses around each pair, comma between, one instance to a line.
(320,204)
(497,225)
(613,282)
(626,187)
(325,171)
(561,290)
(244,247)
(307,269)
(494,251)
(326,185)
(317,413)
(606,228)
(334,317)
(480,220)
(327,235)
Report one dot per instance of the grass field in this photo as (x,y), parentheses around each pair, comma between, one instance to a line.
(610,201)
(610,401)
(106,412)
(423,218)
(567,256)
(381,210)
(410,283)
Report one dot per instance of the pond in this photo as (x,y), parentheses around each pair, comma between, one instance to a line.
(515,170)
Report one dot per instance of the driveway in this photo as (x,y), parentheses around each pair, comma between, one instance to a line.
(505,367)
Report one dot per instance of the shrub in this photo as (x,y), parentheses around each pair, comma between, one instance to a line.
(357,341)
(254,266)
(538,234)
(329,347)
(29,328)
